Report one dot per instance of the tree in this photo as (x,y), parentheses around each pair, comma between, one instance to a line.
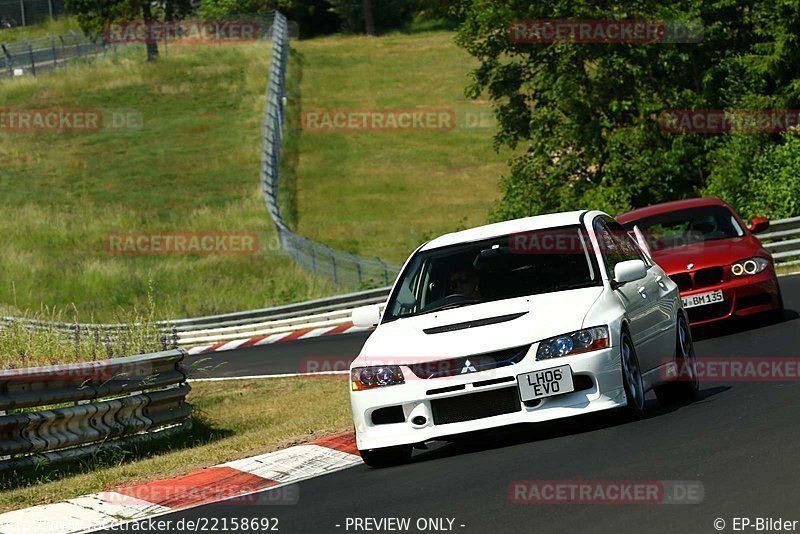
(355,15)
(585,117)
(94,15)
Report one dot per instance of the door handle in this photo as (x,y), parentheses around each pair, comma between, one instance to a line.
(643,292)
(660,281)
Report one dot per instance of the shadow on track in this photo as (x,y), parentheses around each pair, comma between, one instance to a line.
(737,326)
(499,438)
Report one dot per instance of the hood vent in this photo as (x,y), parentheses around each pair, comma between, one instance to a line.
(473,324)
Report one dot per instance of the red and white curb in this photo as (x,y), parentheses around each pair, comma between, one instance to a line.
(238,482)
(275,338)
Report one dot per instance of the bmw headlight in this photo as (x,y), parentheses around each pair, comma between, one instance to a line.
(375,377)
(575,343)
(749,266)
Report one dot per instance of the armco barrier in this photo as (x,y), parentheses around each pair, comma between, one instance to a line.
(288,311)
(72,410)
(783,241)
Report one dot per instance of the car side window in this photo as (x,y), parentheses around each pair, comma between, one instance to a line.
(629,246)
(616,245)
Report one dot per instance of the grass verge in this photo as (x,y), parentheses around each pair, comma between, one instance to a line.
(383,192)
(187,162)
(230,423)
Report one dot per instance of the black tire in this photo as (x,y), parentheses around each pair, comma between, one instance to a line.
(685,389)
(387,456)
(632,379)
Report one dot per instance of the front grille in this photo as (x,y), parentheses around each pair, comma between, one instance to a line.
(684,281)
(708,277)
(475,406)
(469,364)
(705,313)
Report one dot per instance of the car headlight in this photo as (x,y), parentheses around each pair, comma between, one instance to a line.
(749,266)
(587,340)
(375,377)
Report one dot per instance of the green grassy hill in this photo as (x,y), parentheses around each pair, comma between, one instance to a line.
(193,165)
(384,192)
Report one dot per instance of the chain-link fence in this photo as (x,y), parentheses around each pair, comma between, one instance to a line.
(15,13)
(36,56)
(344,268)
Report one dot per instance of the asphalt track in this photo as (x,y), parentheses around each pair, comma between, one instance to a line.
(740,439)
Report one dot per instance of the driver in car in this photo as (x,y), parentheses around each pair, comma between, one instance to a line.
(466,282)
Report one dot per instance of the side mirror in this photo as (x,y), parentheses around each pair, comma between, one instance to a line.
(758,225)
(367,316)
(629,271)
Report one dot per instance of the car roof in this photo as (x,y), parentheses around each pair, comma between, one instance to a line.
(667,207)
(537,222)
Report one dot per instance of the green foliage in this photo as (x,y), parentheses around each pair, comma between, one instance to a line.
(388,14)
(587,114)
(313,17)
(760,178)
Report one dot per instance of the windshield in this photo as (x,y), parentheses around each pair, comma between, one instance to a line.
(503,267)
(688,227)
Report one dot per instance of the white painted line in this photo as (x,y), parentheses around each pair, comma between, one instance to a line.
(295,463)
(317,332)
(273,338)
(230,345)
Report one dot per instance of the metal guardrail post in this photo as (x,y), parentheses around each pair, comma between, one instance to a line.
(9,61)
(385,270)
(3,457)
(333,263)
(358,267)
(33,62)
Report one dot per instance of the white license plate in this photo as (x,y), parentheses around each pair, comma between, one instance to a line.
(703,299)
(545,383)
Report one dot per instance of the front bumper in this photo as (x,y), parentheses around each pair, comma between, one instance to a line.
(744,296)
(602,367)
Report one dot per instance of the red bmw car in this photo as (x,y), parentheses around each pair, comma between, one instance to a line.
(721,268)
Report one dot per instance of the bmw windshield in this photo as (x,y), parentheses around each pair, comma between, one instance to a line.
(504,267)
(688,227)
